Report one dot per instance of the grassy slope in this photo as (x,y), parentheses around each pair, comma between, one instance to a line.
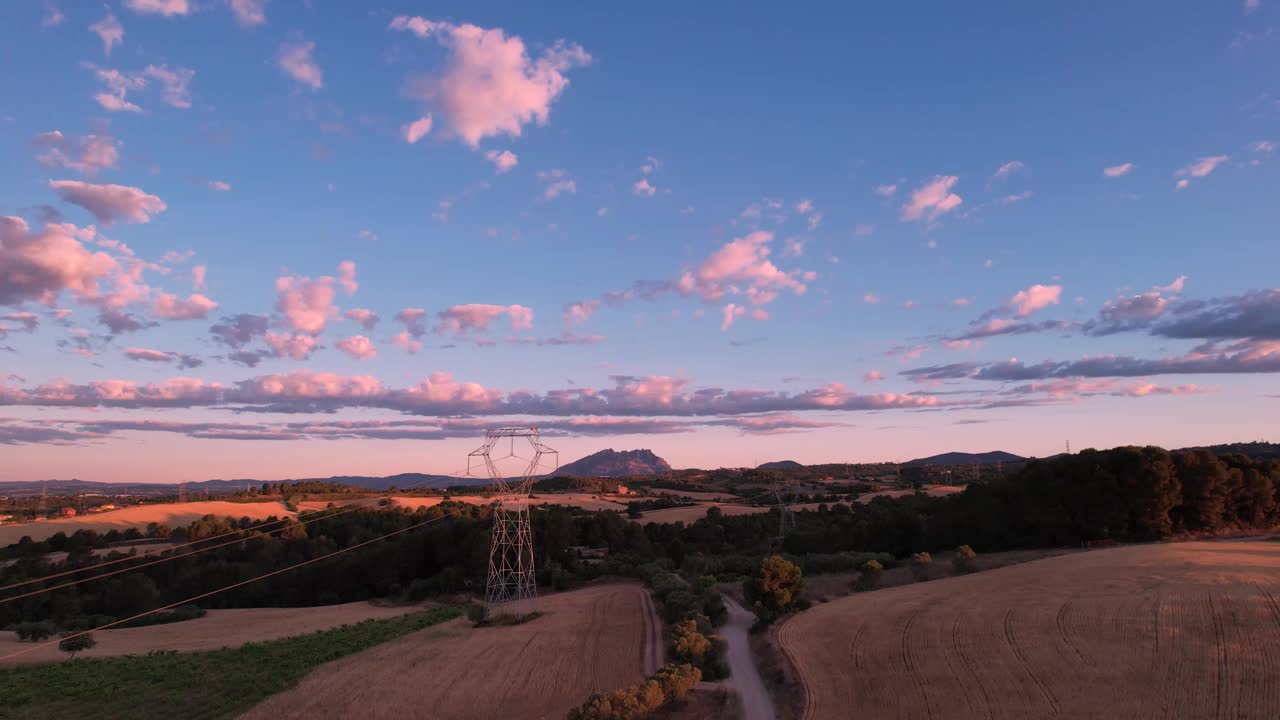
(218,684)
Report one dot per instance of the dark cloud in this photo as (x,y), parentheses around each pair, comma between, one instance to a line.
(1254,315)
(239,330)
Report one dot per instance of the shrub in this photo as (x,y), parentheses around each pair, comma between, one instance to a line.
(34,631)
(920,563)
(868,576)
(669,684)
(963,559)
(72,643)
(476,613)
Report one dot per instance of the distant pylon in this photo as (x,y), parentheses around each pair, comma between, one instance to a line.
(786,517)
(511,564)
(44,498)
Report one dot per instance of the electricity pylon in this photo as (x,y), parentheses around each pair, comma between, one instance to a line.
(511,563)
(786,517)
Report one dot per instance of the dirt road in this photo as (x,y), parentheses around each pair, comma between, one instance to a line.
(744,678)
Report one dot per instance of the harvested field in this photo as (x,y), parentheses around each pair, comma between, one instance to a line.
(171,514)
(697,512)
(218,629)
(695,494)
(1188,630)
(586,501)
(589,640)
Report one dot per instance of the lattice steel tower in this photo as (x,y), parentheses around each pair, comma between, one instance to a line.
(786,516)
(511,564)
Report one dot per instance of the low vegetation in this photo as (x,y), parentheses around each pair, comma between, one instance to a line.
(668,685)
(218,684)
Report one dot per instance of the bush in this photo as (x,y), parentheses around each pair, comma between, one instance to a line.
(476,613)
(868,576)
(963,560)
(72,643)
(920,563)
(35,631)
(669,684)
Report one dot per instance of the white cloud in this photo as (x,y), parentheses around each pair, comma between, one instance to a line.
(503,161)
(295,60)
(932,200)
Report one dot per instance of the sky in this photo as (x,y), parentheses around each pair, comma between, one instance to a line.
(273,239)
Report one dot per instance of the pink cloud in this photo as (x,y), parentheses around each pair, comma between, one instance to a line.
(1145,389)
(412,319)
(872,377)
(577,313)
(741,266)
(171,307)
(932,200)
(367,318)
(174,84)
(167,8)
(556,182)
(297,346)
(249,12)
(347,277)
(198,273)
(642,188)
(490,85)
(118,87)
(110,31)
(503,161)
(1036,297)
(358,347)
(1009,168)
(1199,169)
(109,203)
(39,266)
(294,59)
(88,154)
(219,186)
(306,303)
(1119,170)
(416,130)
(406,342)
(477,317)
(885,191)
(871,298)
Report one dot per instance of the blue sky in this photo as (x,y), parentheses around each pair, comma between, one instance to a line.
(888,202)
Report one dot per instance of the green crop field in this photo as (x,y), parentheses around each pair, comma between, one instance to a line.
(217,684)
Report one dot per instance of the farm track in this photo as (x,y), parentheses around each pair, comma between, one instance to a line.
(584,643)
(1176,631)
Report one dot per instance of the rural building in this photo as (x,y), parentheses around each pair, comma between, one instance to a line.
(5,518)
(67,512)
(102,508)
(624,490)
(582,552)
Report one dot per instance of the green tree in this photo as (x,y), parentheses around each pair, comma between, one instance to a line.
(73,643)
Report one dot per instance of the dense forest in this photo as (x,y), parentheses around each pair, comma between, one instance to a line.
(1093,497)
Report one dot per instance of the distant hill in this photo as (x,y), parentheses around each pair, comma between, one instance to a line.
(1255,450)
(615,463)
(959,458)
(402,481)
(780,465)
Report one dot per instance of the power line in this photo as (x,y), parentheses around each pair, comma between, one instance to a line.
(131,568)
(242,583)
(87,568)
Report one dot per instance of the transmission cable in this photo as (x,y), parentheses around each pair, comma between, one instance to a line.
(233,586)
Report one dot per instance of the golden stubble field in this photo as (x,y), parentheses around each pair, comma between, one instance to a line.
(1188,630)
(170,514)
(595,639)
